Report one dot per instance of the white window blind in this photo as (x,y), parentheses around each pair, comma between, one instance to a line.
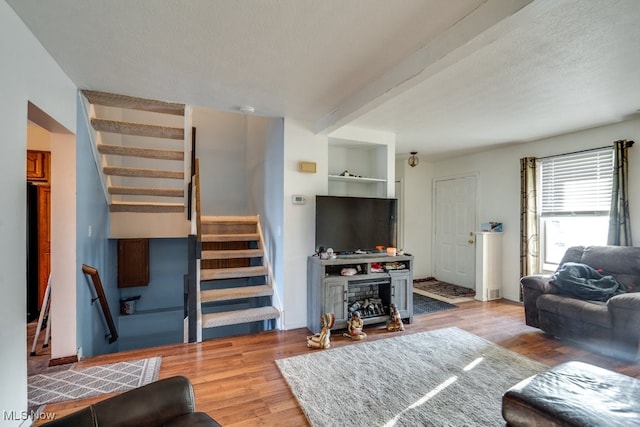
(577,184)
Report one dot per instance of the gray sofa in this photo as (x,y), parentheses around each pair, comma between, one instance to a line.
(610,327)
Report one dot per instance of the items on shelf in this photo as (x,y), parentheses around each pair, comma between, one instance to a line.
(394,266)
(491,226)
(346,173)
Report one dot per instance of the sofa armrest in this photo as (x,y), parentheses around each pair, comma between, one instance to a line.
(538,282)
(532,287)
(629,300)
(150,405)
(625,316)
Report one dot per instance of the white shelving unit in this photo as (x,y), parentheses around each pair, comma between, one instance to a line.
(368,161)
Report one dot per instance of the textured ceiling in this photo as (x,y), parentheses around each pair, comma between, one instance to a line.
(446,76)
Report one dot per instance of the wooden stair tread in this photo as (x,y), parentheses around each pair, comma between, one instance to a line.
(149,153)
(147,191)
(212,320)
(133,103)
(137,129)
(252,219)
(228,294)
(241,237)
(143,173)
(233,253)
(232,273)
(146,207)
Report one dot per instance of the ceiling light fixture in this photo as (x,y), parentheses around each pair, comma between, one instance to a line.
(413,159)
(246,109)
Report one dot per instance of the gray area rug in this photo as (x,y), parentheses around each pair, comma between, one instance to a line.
(93,381)
(446,377)
(423,304)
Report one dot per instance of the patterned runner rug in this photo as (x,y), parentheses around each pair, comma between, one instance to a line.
(423,304)
(93,381)
(443,291)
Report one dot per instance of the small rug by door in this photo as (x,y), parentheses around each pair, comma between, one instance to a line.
(93,381)
(423,304)
(446,377)
(443,291)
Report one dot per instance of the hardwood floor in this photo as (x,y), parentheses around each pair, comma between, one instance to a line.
(237,382)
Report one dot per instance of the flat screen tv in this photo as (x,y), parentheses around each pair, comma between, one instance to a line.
(348,224)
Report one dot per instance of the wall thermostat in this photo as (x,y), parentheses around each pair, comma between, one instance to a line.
(298,199)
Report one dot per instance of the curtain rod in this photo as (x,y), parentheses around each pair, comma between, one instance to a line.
(630,144)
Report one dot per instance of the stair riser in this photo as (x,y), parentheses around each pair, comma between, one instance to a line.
(145,209)
(228,228)
(138,191)
(133,103)
(146,153)
(137,129)
(142,173)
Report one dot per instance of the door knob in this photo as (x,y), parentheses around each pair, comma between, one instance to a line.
(471,242)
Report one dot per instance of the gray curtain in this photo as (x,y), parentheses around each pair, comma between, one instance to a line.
(529,255)
(619,224)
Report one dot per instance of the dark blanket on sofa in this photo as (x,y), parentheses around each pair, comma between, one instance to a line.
(585,282)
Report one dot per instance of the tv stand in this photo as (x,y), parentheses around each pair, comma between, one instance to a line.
(330,291)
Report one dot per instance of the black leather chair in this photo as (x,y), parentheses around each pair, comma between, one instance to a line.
(167,402)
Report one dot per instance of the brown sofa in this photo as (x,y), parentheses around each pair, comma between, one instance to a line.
(168,402)
(610,327)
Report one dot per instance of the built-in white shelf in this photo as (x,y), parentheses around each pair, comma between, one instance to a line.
(355,179)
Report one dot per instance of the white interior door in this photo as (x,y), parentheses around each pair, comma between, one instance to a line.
(454,234)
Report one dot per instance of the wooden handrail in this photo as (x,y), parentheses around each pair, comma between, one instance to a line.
(196,180)
(104,305)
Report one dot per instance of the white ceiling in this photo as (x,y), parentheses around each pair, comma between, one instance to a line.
(446,76)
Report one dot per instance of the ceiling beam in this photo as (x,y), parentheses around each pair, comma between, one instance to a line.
(478,29)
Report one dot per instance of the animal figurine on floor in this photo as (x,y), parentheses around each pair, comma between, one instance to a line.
(354,327)
(323,338)
(395,324)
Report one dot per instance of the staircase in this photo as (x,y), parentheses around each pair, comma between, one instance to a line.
(236,283)
(141,146)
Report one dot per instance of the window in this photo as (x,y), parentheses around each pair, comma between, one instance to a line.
(575,193)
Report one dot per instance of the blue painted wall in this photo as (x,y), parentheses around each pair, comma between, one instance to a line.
(167,266)
(95,250)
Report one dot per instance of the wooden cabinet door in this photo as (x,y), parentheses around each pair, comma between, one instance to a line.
(133,262)
(44,240)
(402,292)
(335,299)
(38,165)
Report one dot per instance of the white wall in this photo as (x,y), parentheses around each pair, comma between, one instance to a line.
(221,147)
(63,245)
(301,144)
(499,187)
(417,213)
(27,73)
(265,157)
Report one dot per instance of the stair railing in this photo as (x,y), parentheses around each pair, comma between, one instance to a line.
(192,278)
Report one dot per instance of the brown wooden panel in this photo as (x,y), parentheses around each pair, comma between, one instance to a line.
(38,165)
(133,262)
(44,240)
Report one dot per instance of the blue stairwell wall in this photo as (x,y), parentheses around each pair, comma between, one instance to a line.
(93,248)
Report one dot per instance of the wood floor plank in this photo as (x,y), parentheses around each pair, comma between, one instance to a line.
(238,383)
